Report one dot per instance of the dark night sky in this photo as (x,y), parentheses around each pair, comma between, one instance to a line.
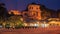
(22,4)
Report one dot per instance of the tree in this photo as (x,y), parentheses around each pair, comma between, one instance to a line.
(58,13)
(3,11)
(16,21)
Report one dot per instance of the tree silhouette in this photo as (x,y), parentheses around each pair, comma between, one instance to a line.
(3,11)
(58,13)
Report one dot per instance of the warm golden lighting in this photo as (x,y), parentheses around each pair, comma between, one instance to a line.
(31,24)
(15,12)
(44,25)
(55,23)
(25,24)
(36,25)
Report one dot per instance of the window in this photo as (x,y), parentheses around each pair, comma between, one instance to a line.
(34,14)
(30,7)
(25,14)
(37,8)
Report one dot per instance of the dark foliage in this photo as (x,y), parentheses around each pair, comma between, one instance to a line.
(3,11)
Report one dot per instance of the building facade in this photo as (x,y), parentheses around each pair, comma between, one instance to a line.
(33,12)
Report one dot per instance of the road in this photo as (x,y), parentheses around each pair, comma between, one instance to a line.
(47,30)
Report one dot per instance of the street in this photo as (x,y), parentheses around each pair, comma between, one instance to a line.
(47,30)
